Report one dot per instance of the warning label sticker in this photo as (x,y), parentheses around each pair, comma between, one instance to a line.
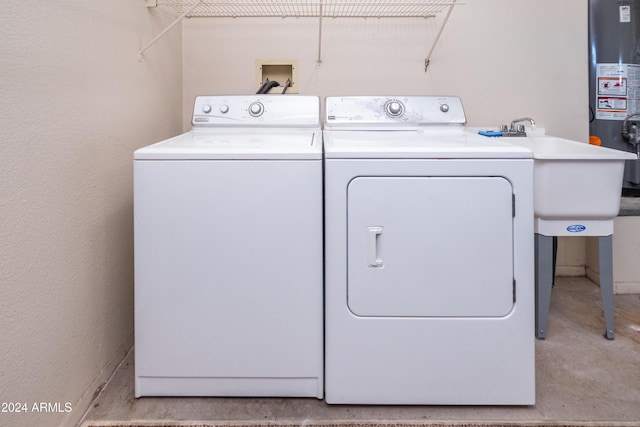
(618,90)
(612,104)
(625,13)
(612,86)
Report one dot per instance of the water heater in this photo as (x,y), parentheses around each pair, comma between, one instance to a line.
(614,80)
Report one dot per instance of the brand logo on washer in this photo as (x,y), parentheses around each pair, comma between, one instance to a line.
(576,228)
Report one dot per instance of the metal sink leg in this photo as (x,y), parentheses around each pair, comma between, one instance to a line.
(544,282)
(606,282)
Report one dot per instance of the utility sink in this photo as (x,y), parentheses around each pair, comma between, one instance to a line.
(577,186)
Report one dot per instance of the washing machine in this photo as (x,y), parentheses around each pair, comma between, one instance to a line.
(228,252)
(429,275)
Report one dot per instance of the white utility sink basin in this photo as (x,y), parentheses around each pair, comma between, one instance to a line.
(577,186)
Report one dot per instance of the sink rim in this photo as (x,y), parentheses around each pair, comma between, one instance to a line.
(555,148)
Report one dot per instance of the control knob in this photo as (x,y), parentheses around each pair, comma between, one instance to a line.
(224,108)
(256,109)
(444,108)
(394,108)
(206,108)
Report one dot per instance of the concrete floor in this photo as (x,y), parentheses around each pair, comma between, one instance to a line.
(580,377)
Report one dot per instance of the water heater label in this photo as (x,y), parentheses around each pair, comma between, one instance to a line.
(618,92)
(625,13)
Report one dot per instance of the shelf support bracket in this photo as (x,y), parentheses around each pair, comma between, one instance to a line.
(173,24)
(427,61)
(321,12)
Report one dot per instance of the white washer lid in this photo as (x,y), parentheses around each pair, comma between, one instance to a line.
(231,144)
(427,143)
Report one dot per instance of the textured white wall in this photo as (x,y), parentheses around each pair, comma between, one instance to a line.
(505,58)
(75,103)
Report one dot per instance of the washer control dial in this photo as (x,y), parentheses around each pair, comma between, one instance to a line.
(394,108)
(256,109)
(224,108)
(444,108)
(206,108)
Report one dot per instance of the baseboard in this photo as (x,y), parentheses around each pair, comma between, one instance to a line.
(626,287)
(618,287)
(83,404)
(592,275)
(570,270)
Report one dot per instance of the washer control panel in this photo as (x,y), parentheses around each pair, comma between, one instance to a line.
(258,110)
(363,111)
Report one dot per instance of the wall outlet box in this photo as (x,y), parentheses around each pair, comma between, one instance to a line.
(279,70)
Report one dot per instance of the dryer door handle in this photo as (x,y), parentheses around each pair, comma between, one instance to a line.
(374,251)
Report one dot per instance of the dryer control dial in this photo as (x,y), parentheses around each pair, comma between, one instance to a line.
(256,109)
(444,108)
(206,108)
(394,108)
(224,108)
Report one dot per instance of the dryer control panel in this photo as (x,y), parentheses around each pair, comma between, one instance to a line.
(256,110)
(390,111)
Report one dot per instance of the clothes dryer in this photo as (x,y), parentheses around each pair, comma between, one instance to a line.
(429,276)
(228,252)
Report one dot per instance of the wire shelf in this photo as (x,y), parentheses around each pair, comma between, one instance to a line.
(319,9)
(309,8)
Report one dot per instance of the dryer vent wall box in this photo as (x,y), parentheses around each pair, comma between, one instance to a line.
(429,288)
(228,252)
(279,70)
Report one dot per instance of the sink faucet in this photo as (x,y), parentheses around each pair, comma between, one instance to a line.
(523,119)
(519,130)
(631,132)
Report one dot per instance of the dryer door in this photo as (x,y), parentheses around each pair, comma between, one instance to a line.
(430,246)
